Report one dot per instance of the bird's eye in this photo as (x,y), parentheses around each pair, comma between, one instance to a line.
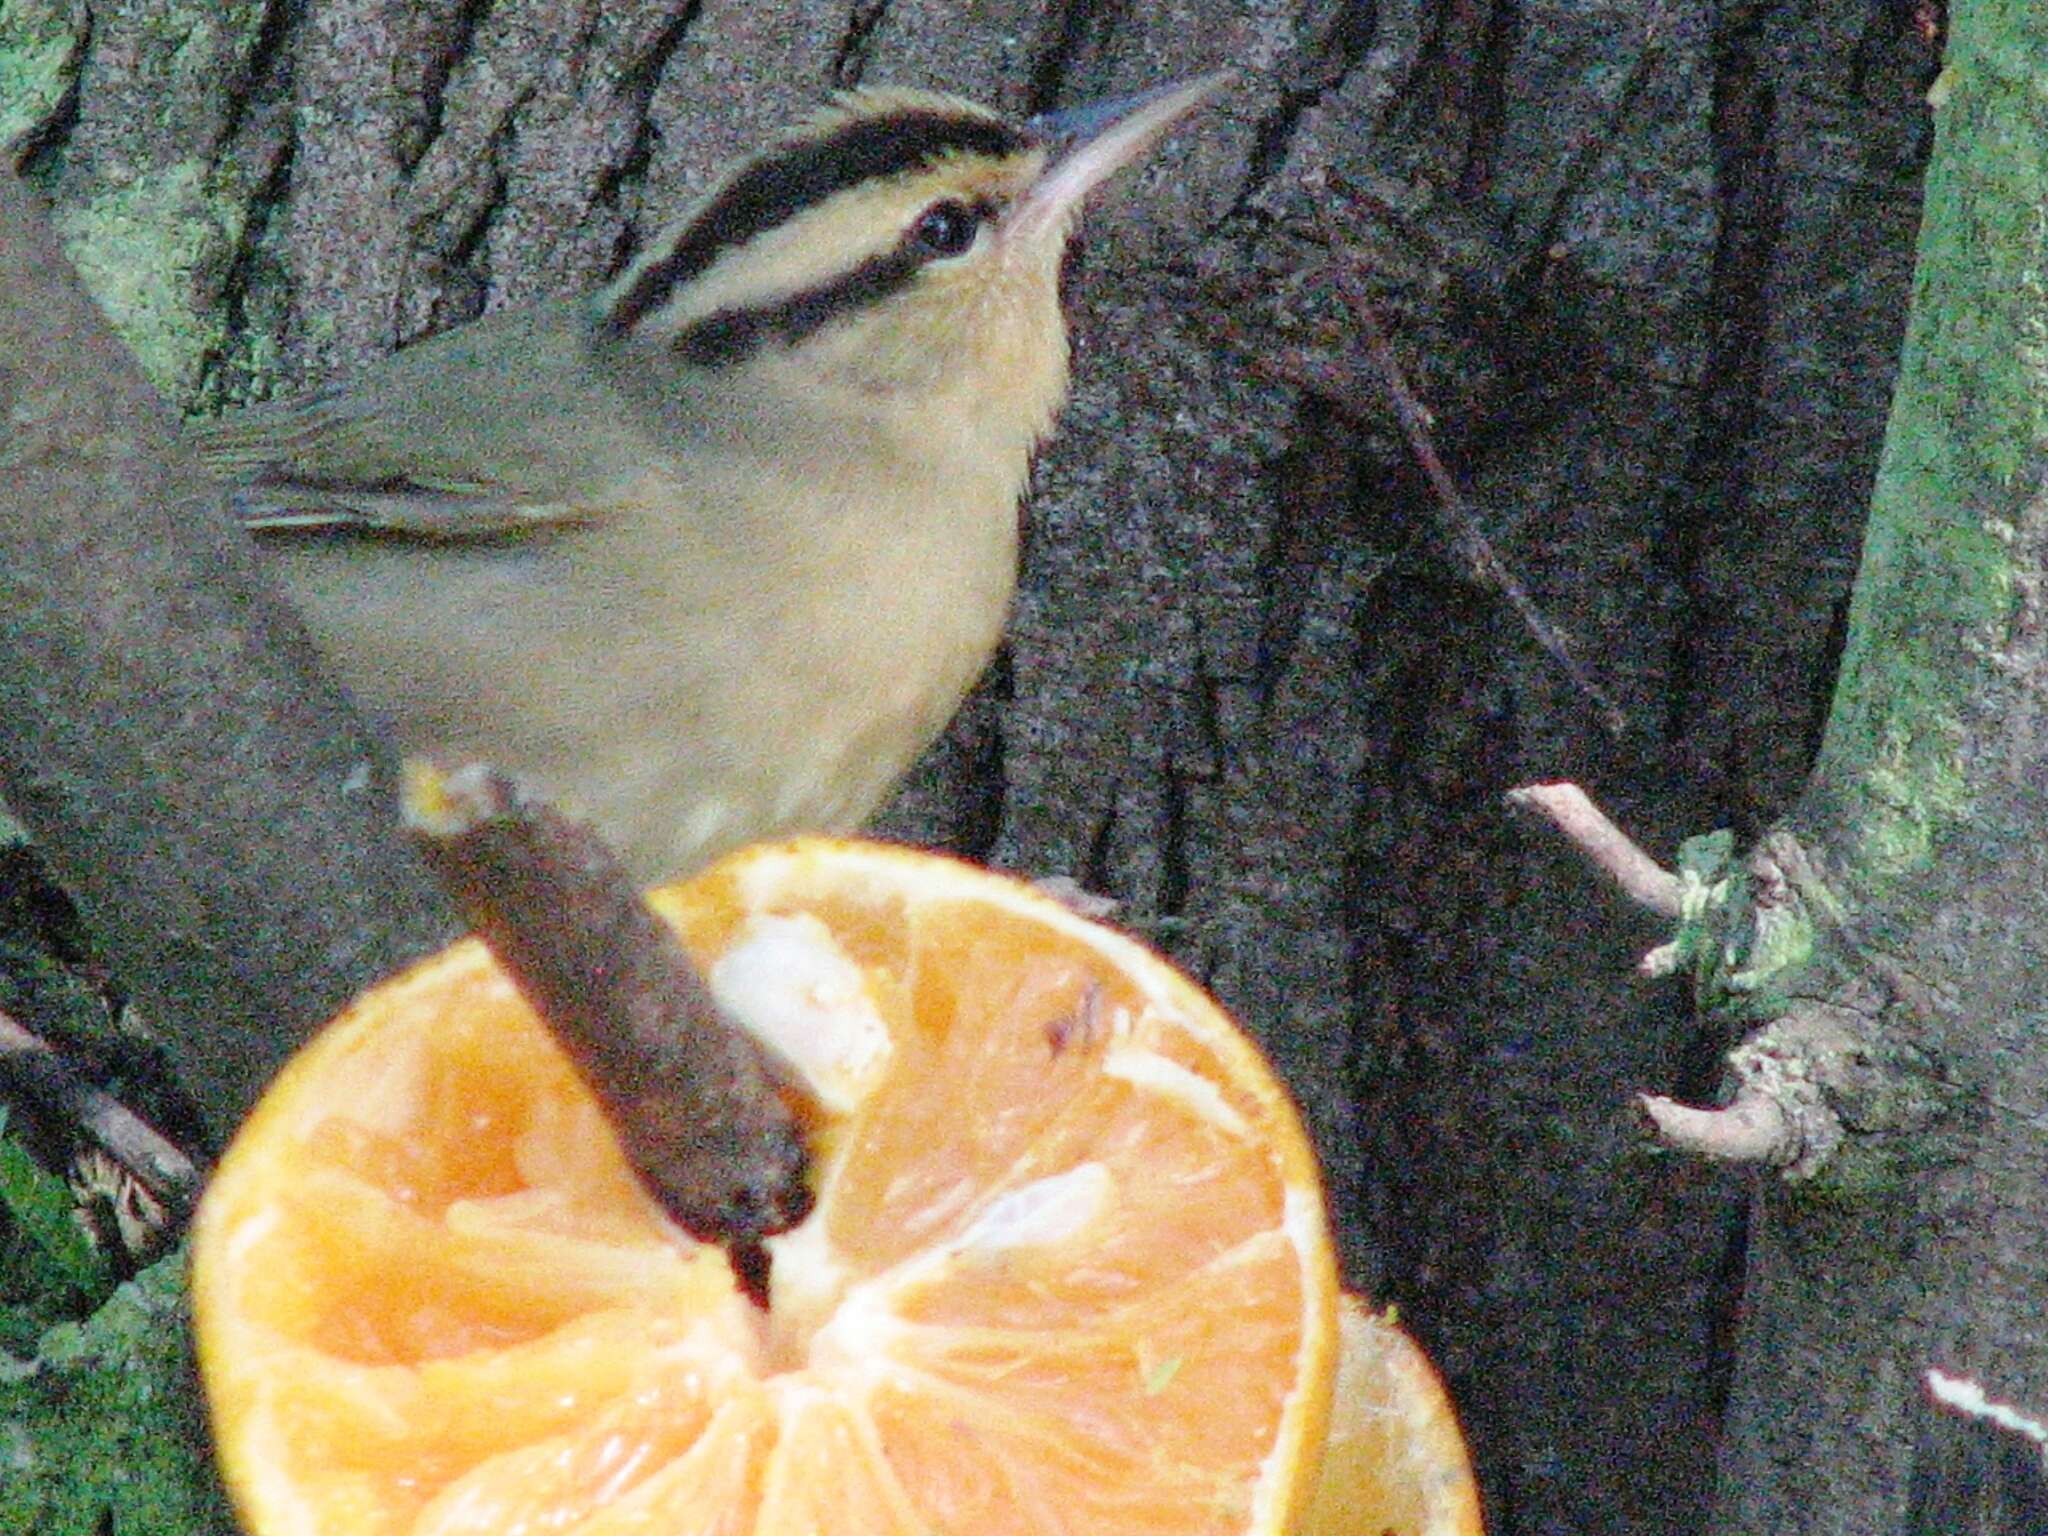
(946,229)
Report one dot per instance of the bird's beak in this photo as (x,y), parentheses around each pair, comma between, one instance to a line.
(1090,144)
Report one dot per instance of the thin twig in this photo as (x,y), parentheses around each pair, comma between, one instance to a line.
(1593,141)
(1573,813)
(692,1098)
(32,1064)
(1967,1396)
(1467,537)
(1753,1128)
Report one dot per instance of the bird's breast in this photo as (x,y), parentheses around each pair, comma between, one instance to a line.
(753,637)
(806,640)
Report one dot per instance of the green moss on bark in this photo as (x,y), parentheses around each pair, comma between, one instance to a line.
(39,49)
(145,194)
(138,248)
(102,1432)
(1969,422)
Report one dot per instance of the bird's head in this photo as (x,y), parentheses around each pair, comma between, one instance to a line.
(899,249)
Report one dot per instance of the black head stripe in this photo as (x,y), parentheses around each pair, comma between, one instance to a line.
(729,336)
(784,182)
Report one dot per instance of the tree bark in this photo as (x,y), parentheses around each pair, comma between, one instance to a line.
(1923,1243)
(1646,264)
(200,790)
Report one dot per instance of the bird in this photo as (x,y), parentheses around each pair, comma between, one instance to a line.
(712,554)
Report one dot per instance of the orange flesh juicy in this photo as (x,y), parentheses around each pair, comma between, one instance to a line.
(1394,1461)
(1068,1270)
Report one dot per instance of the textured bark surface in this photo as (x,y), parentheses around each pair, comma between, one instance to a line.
(1927,1246)
(1648,266)
(1925,1242)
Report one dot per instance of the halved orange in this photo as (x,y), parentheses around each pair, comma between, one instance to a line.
(1068,1271)
(1394,1461)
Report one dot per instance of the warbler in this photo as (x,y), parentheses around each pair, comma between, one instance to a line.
(713,554)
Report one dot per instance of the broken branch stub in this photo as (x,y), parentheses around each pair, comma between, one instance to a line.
(694,1101)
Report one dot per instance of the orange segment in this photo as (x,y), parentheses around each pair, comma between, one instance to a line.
(1068,1269)
(1395,1463)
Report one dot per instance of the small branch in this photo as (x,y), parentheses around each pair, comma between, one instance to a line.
(1818,1079)
(691,1097)
(1467,536)
(1572,812)
(1752,1129)
(32,1063)
(1966,1396)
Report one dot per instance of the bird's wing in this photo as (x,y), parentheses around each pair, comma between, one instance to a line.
(479,433)
(399,507)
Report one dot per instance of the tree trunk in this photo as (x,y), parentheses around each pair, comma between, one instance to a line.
(1646,264)
(1923,1241)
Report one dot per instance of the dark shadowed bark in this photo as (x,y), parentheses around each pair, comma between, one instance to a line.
(1648,266)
